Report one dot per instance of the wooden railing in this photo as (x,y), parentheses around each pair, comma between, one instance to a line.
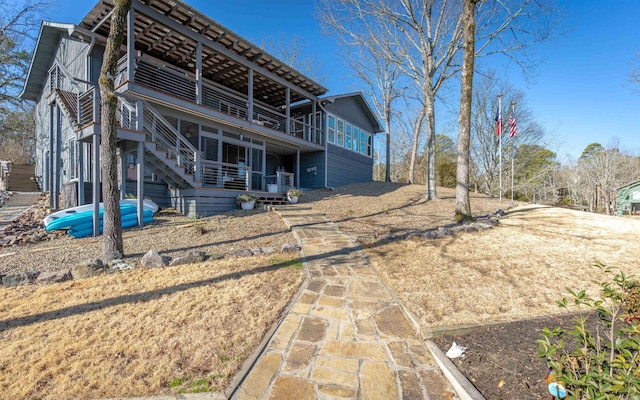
(182,84)
(283,181)
(5,170)
(226,176)
(159,131)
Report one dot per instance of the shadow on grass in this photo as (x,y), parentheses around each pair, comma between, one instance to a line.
(133,298)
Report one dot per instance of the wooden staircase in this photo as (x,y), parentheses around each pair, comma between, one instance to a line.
(266,200)
(22,179)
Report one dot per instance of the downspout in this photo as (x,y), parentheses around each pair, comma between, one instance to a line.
(325,143)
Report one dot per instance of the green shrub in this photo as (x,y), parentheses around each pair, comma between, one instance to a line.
(603,363)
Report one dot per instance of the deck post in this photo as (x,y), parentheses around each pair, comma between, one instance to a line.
(140,183)
(96,184)
(288,103)
(196,166)
(140,116)
(58,160)
(131,41)
(199,73)
(80,172)
(314,121)
(250,95)
(52,121)
(123,171)
(297,179)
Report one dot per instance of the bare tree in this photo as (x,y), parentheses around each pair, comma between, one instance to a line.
(381,77)
(634,74)
(112,230)
(607,169)
(426,38)
(485,144)
(292,50)
(463,204)
(19,24)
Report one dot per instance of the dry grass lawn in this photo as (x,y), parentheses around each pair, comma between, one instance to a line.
(147,331)
(516,270)
(189,328)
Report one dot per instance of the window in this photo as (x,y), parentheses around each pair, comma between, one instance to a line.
(72,162)
(356,138)
(347,137)
(331,129)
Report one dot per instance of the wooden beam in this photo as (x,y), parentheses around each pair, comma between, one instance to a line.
(175,46)
(225,71)
(164,37)
(219,48)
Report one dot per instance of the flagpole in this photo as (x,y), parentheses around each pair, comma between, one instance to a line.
(513,147)
(500,142)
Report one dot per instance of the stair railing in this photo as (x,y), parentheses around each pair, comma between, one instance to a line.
(167,139)
(82,104)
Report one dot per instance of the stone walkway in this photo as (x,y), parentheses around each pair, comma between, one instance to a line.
(18,203)
(345,336)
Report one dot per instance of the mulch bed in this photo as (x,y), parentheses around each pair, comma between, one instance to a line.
(500,360)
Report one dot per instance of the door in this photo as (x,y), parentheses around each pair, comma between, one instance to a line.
(211,172)
(234,169)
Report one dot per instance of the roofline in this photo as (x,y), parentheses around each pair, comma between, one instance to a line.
(70,28)
(333,98)
(628,184)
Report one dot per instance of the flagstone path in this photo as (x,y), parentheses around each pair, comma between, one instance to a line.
(345,336)
(18,203)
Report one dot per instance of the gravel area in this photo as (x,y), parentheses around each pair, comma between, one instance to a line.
(171,234)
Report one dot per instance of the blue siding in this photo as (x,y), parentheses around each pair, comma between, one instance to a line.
(313,179)
(346,167)
(348,109)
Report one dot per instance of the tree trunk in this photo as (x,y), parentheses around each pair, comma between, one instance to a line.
(430,100)
(463,204)
(112,230)
(417,127)
(387,174)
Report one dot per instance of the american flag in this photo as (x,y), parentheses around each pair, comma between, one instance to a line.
(498,122)
(513,128)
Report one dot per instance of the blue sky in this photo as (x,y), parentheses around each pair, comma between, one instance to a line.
(580,95)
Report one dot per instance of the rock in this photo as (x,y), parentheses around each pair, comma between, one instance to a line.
(118,265)
(93,267)
(191,257)
(217,256)
(20,278)
(268,250)
(152,260)
(290,248)
(54,276)
(242,253)
(430,234)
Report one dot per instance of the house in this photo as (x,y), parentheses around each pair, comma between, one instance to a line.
(204,115)
(628,199)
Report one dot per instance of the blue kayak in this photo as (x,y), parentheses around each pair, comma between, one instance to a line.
(71,220)
(80,231)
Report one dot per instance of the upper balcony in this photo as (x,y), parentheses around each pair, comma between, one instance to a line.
(180,84)
(176,50)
